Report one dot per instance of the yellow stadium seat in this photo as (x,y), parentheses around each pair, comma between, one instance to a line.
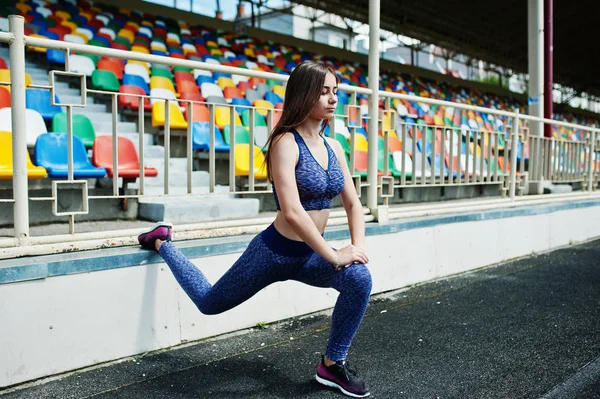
(387,121)
(86,14)
(211,43)
(224,82)
(70,25)
(360,142)
(438,120)
(5,76)
(6,160)
(64,15)
(263,104)
(160,82)
(177,120)
(242,161)
(279,90)
(248,52)
(140,49)
(296,57)
(23,7)
(223,117)
(127,34)
(216,52)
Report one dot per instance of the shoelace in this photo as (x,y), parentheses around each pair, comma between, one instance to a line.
(349,373)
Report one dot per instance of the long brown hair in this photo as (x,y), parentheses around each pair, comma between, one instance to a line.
(302,93)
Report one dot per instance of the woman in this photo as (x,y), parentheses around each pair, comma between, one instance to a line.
(307,171)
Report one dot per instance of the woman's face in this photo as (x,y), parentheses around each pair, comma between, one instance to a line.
(325,107)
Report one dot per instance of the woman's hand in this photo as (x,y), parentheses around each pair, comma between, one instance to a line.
(348,255)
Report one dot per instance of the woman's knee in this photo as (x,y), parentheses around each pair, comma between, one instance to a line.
(358,278)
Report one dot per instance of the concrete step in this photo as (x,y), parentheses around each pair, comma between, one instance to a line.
(98,117)
(106,126)
(177,178)
(97,108)
(221,192)
(197,209)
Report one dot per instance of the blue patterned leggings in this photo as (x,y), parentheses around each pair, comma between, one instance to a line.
(271,257)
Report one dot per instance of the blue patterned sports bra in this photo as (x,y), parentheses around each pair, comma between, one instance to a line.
(316,186)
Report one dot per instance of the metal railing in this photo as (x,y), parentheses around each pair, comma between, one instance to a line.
(424,155)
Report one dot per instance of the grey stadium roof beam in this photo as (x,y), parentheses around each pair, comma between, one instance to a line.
(493,31)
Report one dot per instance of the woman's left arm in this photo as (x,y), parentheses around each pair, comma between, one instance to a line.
(350,200)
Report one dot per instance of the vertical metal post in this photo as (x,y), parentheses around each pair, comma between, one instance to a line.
(535,88)
(548,61)
(19,130)
(592,163)
(513,155)
(374,103)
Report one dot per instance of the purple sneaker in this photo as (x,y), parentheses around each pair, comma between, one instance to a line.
(161,230)
(341,376)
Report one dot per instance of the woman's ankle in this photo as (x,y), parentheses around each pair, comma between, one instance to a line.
(157,244)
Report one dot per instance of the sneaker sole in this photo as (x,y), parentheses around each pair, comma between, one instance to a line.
(334,385)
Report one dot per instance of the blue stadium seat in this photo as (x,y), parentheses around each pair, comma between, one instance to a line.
(201,137)
(273,98)
(39,100)
(240,101)
(135,80)
(217,75)
(55,56)
(51,153)
(159,52)
(204,79)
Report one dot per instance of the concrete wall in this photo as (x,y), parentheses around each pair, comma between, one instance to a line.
(81,317)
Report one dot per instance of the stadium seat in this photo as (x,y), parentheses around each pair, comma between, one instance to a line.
(134,68)
(128,161)
(187,86)
(252,96)
(261,135)
(4,97)
(3,63)
(82,64)
(200,112)
(177,121)
(232,92)
(242,135)
(5,77)
(224,82)
(280,91)
(39,100)
(136,80)
(159,95)
(242,161)
(35,124)
(6,160)
(223,117)
(112,66)
(161,82)
(259,120)
(104,80)
(396,165)
(133,102)
(82,127)
(261,105)
(201,138)
(210,89)
(51,153)
(55,56)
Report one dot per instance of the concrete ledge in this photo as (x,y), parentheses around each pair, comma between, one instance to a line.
(58,316)
(14,270)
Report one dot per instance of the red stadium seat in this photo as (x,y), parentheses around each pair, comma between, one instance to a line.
(128,161)
(133,102)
